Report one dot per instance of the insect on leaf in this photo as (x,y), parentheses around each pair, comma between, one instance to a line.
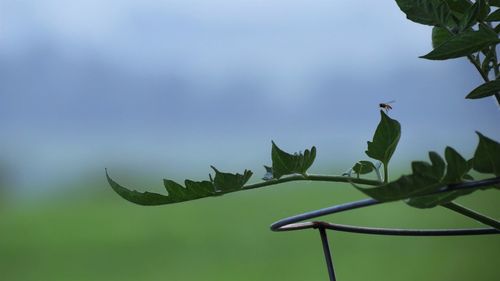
(385,139)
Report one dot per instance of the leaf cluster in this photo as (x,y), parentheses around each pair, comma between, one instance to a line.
(462,28)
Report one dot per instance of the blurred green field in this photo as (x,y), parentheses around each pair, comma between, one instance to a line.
(228,238)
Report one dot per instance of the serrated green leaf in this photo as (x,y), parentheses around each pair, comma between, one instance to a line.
(463,44)
(431,201)
(287,164)
(485,90)
(230,182)
(439,36)
(385,139)
(457,166)
(487,156)
(363,167)
(425,178)
(495,16)
(176,192)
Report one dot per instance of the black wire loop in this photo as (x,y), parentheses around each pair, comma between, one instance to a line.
(296,222)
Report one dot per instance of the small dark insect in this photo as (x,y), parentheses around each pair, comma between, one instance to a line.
(386,106)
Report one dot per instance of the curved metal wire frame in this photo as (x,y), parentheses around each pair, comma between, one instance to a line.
(295,222)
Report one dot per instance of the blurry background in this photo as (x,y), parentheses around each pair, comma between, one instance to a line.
(153,89)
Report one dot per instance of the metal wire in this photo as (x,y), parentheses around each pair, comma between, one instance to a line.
(295,222)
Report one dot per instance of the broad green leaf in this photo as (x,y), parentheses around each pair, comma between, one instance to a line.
(463,44)
(459,6)
(176,192)
(441,13)
(487,89)
(286,164)
(385,139)
(425,178)
(495,16)
(363,167)
(457,166)
(487,156)
(420,11)
(431,201)
(471,15)
(405,187)
(439,36)
(230,182)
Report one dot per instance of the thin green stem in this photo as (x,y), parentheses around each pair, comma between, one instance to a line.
(386,173)
(476,63)
(472,214)
(324,178)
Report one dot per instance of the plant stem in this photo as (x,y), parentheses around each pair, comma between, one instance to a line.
(472,214)
(386,173)
(475,62)
(325,178)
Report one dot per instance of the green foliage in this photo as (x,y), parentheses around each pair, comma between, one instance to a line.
(461,28)
(422,11)
(385,139)
(227,182)
(363,167)
(487,89)
(487,156)
(495,16)
(463,44)
(221,184)
(439,36)
(286,164)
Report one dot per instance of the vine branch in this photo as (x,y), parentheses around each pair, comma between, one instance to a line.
(472,214)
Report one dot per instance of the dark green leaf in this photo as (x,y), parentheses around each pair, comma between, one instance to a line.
(471,15)
(441,13)
(363,167)
(488,60)
(495,3)
(459,6)
(463,44)
(431,201)
(487,89)
(419,11)
(495,16)
(425,178)
(487,156)
(176,192)
(439,36)
(457,166)
(230,182)
(286,164)
(385,139)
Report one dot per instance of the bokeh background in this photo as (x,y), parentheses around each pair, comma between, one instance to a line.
(153,89)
